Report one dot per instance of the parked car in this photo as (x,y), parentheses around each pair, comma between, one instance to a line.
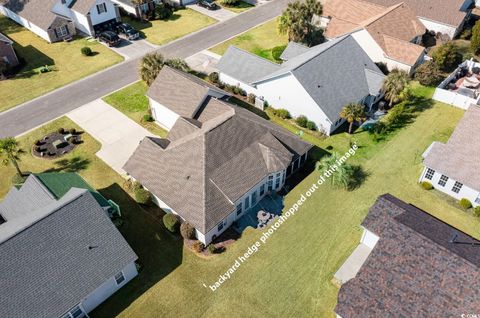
(128,31)
(109,37)
(208,4)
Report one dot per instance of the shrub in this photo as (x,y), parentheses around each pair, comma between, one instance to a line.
(447,56)
(212,249)
(282,113)
(142,196)
(198,246)
(395,115)
(213,77)
(429,74)
(147,118)
(163,11)
(426,185)
(302,121)
(61,131)
(187,231)
(178,64)
(465,203)
(311,125)
(171,222)
(466,34)
(475,40)
(73,131)
(251,98)
(230,2)
(86,51)
(18,179)
(476,211)
(38,143)
(277,51)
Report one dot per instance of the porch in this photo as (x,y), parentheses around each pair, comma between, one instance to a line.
(271,205)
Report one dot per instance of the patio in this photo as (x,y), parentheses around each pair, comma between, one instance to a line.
(271,204)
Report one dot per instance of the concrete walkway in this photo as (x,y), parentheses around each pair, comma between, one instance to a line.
(205,61)
(352,265)
(118,134)
(219,14)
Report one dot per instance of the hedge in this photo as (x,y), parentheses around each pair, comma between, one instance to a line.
(426,185)
(465,203)
(171,222)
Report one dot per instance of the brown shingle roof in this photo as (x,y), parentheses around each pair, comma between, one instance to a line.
(414,270)
(459,157)
(82,6)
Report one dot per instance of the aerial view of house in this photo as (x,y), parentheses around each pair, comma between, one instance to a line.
(310,81)
(239,158)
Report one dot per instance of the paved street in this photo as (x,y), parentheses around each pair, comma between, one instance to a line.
(50,106)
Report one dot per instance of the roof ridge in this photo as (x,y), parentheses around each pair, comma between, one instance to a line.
(400,40)
(368,22)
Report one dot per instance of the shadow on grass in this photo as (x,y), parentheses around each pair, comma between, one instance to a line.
(75,164)
(359,176)
(159,252)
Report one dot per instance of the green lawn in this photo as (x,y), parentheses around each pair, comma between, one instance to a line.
(260,40)
(69,64)
(242,6)
(182,22)
(132,101)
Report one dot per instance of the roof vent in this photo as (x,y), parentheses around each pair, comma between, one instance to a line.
(188,178)
(91,247)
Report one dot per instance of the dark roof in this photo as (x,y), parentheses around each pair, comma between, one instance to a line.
(414,270)
(212,159)
(47,266)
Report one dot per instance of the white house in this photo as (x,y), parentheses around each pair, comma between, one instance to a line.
(218,160)
(56,20)
(390,35)
(61,256)
(453,167)
(315,82)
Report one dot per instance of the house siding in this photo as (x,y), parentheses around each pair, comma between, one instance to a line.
(8,54)
(111,13)
(233,81)
(162,115)
(25,23)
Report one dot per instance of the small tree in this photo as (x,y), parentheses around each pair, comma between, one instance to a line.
(342,176)
(465,203)
(187,231)
(171,222)
(150,65)
(142,196)
(230,3)
(447,56)
(352,112)
(10,152)
(429,74)
(394,84)
(302,121)
(163,11)
(296,22)
(86,51)
(475,40)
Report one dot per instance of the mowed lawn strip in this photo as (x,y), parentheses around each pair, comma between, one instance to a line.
(182,22)
(291,274)
(240,7)
(132,101)
(259,40)
(68,63)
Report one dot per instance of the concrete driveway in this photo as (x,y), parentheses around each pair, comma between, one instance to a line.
(134,49)
(219,14)
(205,62)
(118,134)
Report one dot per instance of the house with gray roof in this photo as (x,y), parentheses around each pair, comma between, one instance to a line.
(217,161)
(417,266)
(61,255)
(453,167)
(57,20)
(315,82)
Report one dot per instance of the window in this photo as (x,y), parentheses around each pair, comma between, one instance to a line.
(270,185)
(76,312)
(247,202)
(443,180)
(220,226)
(119,278)
(429,174)
(277,183)
(101,8)
(262,189)
(61,31)
(457,186)
(278,175)
(254,198)
(239,208)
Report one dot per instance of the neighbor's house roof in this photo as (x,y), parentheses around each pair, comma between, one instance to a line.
(37,12)
(47,265)
(332,73)
(392,28)
(82,6)
(444,11)
(414,270)
(458,158)
(212,158)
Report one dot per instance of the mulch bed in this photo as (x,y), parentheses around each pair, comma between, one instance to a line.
(221,243)
(46,148)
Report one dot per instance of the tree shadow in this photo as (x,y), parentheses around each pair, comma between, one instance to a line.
(359,176)
(75,164)
(159,253)
(30,60)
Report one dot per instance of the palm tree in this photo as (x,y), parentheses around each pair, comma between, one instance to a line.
(352,112)
(296,22)
(393,86)
(10,152)
(343,174)
(150,65)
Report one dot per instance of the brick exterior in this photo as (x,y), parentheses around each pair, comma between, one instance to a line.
(71,32)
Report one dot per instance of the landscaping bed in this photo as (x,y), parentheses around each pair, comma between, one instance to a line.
(56,144)
(240,7)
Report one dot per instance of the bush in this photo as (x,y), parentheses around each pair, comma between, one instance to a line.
(475,40)
(476,211)
(230,2)
(277,51)
(86,51)
(311,125)
(302,121)
(147,118)
(198,246)
(426,185)
(465,203)
(447,56)
(212,249)
(213,77)
(142,196)
(429,74)
(171,222)
(38,143)
(178,64)
(187,231)
(163,11)
(282,113)
(395,115)
(61,131)
(251,98)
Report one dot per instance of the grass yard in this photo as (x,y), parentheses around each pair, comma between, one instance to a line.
(69,64)
(242,6)
(291,275)
(182,22)
(132,102)
(260,40)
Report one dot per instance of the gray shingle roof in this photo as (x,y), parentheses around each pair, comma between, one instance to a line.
(82,6)
(292,50)
(47,266)
(414,270)
(458,158)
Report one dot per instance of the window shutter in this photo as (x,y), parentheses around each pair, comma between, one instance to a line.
(104,7)
(55,31)
(66,29)
(98,9)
